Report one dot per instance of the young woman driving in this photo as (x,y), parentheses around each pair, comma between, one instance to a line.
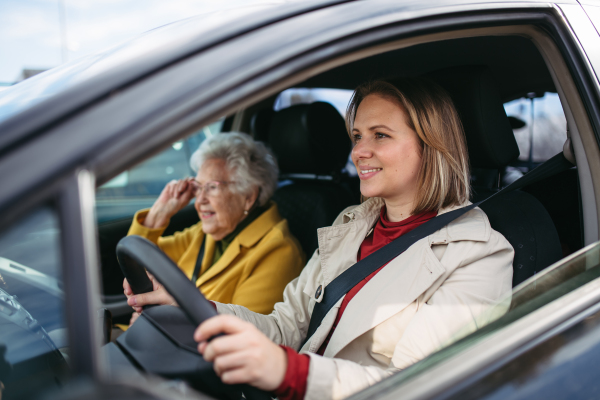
(411,156)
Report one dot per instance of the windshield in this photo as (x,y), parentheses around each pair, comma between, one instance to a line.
(533,294)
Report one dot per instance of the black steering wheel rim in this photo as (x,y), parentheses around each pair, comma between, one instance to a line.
(137,254)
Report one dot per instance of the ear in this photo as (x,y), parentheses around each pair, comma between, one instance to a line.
(251,199)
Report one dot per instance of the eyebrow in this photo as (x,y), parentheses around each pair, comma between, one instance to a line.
(375,128)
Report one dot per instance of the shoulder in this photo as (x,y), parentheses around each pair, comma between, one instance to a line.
(473,233)
(278,238)
(473,225)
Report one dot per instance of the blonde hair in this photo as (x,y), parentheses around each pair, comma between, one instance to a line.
(443,180)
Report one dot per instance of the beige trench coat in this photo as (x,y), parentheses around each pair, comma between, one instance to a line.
(411,308)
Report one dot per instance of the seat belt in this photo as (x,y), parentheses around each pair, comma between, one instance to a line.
(199,262)
(365,267)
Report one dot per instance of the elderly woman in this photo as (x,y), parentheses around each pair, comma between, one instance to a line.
(241,251)
(411,156)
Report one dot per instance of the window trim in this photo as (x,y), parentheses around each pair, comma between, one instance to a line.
(81,273)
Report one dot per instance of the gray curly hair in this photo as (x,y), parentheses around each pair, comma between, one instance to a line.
(250,163)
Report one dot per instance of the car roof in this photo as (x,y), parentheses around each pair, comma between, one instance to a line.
(36,102)
(42,101)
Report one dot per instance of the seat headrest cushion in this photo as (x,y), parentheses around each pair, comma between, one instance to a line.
(490,138)
(309,139)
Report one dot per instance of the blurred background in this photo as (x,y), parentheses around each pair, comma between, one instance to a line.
(36,35)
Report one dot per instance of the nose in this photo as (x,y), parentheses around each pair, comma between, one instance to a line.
(201,195)
(362,150)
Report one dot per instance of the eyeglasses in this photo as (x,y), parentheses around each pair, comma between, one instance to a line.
(210,188)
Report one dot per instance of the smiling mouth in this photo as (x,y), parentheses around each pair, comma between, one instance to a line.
(366,171)
(206,214)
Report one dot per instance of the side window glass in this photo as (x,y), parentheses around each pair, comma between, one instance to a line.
(138,187)
(339,98)
(33,340)
(540,128)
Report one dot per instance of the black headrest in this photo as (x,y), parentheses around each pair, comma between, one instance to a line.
(309,139)
(490,138)
(260,124)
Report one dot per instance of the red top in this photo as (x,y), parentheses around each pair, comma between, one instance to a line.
(293,386)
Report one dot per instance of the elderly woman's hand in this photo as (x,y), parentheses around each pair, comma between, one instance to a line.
(243,355)
(175,196)
(159,295)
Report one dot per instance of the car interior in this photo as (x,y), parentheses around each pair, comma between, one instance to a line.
(482,70)
(542,222)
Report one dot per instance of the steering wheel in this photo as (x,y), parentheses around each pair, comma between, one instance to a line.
(136,255)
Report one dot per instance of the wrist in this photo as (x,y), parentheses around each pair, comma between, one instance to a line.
(283,365)
(293,386)
(156,218)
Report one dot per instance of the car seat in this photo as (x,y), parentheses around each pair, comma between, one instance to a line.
(312,148)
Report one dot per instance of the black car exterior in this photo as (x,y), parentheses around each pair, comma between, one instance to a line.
(73,128)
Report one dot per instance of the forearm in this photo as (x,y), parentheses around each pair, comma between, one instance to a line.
(156,218)
(138,228)
(267,324)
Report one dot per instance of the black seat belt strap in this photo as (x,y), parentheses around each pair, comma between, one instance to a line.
(365,267)
(198,266)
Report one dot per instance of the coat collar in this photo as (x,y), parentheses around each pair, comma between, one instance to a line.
(471,226)
(247,238)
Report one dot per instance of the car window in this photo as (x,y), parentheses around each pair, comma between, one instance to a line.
(138,187)
(33,341)
(540,290)
(339,98)
(545,127)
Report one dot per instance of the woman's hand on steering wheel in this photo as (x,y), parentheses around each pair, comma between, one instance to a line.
(158,296)
(243,355)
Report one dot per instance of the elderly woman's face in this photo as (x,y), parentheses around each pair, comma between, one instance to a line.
(222,209)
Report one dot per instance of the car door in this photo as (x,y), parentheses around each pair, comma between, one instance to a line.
(177,101)
(48,291)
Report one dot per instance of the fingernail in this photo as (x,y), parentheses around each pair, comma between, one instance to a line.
(132,301)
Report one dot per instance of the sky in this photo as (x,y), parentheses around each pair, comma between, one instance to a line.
(31,34)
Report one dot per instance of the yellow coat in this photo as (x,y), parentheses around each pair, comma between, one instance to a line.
(253,270)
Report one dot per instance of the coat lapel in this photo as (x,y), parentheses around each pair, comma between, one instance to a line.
(390,291)
(338,250)
(228,256)
(246,238)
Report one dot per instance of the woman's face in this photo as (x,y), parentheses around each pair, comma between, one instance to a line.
(387,152)
(220,210)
